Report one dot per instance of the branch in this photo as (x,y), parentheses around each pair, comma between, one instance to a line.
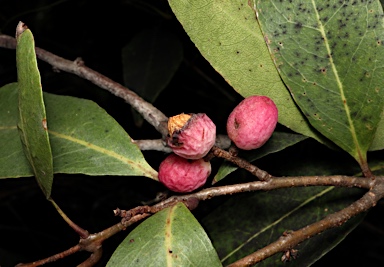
(94,241)
(220,153)
(151,114)
(292,239)
(53,258)
(222,141)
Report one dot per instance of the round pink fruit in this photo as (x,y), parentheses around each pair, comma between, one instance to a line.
(183,175)
(252,122)
(191,136)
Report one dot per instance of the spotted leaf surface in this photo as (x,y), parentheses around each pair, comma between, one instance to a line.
(329,55)
(228,35)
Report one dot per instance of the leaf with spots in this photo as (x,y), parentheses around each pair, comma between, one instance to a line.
(83,137)
(228,35)
(171,237)
(32,121)
(329,55)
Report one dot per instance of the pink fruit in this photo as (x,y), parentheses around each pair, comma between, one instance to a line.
(191,136)
(252,122)
(183,175)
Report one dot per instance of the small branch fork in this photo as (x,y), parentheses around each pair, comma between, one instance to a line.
(93,242)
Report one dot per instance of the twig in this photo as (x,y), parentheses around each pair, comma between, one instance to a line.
(151,114)
(289,241)
(221,141)
(94,241)
(262,175)
(53,258)
(80,231)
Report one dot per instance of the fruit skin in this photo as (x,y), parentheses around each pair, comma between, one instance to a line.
(183,175)
(252,122)
(194,139)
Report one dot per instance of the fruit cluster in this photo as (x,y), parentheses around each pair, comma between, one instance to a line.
(191,137)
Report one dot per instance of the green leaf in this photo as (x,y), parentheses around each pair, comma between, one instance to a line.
(32,118)
(150,60)
(12,158)
(84,139)
(248,222)
(378,140)
(277,142)
(329,57)
(228,36)
(171,237)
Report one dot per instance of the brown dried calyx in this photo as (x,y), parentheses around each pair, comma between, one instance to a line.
(177,122)
(191,136)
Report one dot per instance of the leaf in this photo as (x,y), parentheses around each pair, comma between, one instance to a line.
(329,57)
(228,35)
(12,158)
(249,222)
(32,118)
(84,139)
(171,237)
(378,140)
(277,142)
(150,60)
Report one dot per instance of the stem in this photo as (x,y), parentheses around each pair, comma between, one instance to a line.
(287,242)
(53,258)
(93,242)
(146,109)
(80,231)
(220,153)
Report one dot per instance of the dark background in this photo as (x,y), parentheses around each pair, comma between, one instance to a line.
(96,31)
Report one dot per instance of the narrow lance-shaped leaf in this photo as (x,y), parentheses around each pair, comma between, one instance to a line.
(329,55)
(32,119)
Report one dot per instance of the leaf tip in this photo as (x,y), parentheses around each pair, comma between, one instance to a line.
(21,27)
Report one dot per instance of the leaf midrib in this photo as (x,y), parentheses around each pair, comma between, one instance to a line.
(338,82)
(103,151)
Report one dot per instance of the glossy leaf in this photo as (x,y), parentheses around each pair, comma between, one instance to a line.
(171,237)
(329,57)
(277,142)
(150,60)
(228,36)
(32,122)
(84,139)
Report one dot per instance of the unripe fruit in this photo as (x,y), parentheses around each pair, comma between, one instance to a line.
(183,175)
(191,136)
(252,122)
